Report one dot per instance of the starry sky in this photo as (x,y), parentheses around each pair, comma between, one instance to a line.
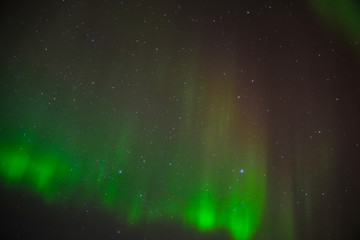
(142,119)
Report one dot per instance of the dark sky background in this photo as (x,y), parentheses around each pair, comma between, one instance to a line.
(180,119)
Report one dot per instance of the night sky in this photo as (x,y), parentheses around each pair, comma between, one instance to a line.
(179,120)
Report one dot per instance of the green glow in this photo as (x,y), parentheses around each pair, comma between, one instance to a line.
(210,177)
(136,209)
(204,210)
(343,14)
(247,203)
(43,173)
(13,165)
(186,113)
(110,195)
(206,214)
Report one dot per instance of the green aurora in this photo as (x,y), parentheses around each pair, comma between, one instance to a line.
(221,186)
(171,128)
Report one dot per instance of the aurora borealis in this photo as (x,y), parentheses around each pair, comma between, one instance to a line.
(180,119)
